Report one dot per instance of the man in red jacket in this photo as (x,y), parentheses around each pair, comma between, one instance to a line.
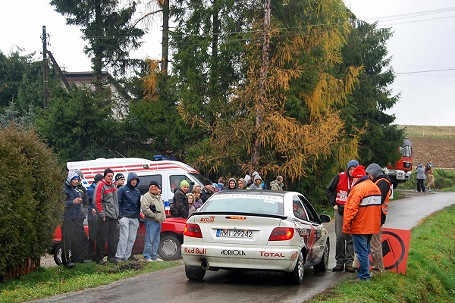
(362,217)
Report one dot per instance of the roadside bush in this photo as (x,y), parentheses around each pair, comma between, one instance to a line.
(444,178)
(30,197)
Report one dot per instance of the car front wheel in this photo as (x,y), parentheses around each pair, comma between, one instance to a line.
(194,273)
(324,264)
(296,276)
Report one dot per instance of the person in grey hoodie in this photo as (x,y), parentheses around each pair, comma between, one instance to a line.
(129,201)
(420,172)
(107,207)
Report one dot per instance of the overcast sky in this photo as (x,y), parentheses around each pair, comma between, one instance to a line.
(422,48)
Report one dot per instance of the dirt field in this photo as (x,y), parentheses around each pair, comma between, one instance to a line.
(441,151)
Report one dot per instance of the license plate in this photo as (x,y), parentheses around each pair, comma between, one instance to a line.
(234,233)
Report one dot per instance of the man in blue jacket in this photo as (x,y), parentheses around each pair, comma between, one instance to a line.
(129,202)
(73,234)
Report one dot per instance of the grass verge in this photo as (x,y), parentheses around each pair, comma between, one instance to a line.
(57,280)
(430,275)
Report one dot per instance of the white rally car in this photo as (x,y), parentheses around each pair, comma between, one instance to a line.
(257,230)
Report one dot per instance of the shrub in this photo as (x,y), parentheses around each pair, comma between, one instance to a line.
(31,197)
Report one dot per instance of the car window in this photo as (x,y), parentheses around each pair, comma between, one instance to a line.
(144,182)
(298,209)
(244,203)
(174,181)
(312,215)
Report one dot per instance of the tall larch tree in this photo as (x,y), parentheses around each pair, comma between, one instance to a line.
(299,125)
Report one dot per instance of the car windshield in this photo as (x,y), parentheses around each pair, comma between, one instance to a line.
(244,203)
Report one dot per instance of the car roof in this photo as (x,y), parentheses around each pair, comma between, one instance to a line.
(263,192)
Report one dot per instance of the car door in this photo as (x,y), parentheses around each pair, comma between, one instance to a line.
(304,227)
(318,242)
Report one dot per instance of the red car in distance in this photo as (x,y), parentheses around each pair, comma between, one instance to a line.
(170,241)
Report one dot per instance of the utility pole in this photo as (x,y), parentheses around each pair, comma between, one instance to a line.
(45,68)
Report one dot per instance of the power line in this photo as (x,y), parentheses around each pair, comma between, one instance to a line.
(426,71)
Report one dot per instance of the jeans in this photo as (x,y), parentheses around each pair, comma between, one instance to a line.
(152,239)
(421,185)
(128,232)
(344,250)
(362,250)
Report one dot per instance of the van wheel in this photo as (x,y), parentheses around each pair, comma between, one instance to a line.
(169,248)
(295,277)
(194,273)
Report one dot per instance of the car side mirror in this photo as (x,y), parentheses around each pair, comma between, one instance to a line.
(324,218)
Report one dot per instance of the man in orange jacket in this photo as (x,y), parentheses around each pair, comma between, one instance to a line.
(362,217)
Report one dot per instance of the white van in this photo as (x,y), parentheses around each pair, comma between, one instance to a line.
(167,173)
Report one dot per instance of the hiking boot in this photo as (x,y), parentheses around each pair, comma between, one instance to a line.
(69,264)
(349,268)
(338,267)
(114,260)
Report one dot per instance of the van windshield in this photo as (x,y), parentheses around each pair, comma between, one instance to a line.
(198,177)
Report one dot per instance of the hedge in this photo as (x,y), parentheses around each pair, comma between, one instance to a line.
(31,195)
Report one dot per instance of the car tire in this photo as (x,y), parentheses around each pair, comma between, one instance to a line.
(169,248)
(295,277)
(194,273)
(324,264)
(58,254)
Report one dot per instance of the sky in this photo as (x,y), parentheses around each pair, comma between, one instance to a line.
(421,48)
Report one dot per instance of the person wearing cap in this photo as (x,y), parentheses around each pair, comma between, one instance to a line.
(207,191)
(277,184)
(129,203)
(248,181)
(73,233)
(106,202)
(337,194)
(152,206)
(119,180)
(362,217)
(232,184)
(92,219)
(220,184)
(257,183)
(384,183)
(180,206)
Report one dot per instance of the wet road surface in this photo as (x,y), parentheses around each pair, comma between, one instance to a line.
(171,285)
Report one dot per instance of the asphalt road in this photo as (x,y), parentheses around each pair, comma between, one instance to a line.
(171,285)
